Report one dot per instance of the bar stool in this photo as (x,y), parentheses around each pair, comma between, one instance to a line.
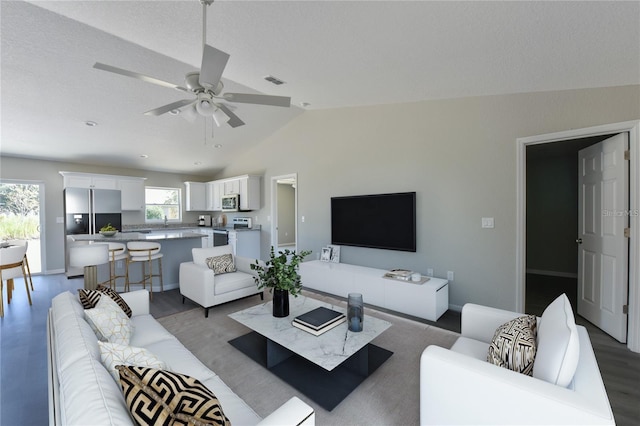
(145,252)
(117,251)
(12,266)
(26,260)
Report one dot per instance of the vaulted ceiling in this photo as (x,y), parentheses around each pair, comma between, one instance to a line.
(330,54)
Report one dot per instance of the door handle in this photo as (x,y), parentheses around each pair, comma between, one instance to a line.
(579,241)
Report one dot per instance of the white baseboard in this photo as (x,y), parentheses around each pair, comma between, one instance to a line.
(552,273)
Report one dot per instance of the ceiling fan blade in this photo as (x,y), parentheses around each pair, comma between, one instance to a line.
(138,76)
(213,63)
(170,107)
(248,98)
(234,120)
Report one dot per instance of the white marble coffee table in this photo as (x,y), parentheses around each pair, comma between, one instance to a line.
(326,368)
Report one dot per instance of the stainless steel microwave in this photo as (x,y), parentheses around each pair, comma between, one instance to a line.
(231,203)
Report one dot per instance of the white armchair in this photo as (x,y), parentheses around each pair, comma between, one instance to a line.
(199,283)
(458,385)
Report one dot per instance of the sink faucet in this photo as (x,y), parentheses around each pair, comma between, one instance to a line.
(165,222)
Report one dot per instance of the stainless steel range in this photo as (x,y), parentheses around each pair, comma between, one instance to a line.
(221,235)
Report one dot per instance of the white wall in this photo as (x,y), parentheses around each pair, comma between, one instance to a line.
(459,155)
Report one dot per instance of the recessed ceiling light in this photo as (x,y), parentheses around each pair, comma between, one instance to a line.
(305,104)
(197,163)
(217,145)
(144,156)
(174,112)
(274,80)
(91,123)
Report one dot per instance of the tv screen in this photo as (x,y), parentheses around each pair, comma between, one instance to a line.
(384,221)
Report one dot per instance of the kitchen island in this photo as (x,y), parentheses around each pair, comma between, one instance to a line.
(176,248)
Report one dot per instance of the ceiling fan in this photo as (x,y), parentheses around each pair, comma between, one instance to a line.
(205,85)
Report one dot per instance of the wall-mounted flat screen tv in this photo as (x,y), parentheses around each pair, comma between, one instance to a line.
(383,221)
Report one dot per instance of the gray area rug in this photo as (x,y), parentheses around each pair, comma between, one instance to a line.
(390,396)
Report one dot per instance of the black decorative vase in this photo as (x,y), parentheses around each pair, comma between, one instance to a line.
(280,303)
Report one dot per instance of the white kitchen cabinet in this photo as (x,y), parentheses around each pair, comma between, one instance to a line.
(88,180)
(214,196)
(195,196)
(249,192)
(231,186)
(132,193)
(247,186)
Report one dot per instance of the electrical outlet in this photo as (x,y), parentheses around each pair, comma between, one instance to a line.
(429,272)
(302,218)
(450,275)
(59,219)
(487,222)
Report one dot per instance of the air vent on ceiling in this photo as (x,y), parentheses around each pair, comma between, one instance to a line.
(274,80)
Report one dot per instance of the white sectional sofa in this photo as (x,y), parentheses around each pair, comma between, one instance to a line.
(458,386)
(201,285)
(82,391)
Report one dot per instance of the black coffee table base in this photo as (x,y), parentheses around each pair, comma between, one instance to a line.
(326,388)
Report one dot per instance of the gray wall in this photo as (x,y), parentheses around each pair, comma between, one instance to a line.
(47,172)
(459,155)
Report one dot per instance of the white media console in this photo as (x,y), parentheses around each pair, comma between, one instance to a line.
(428,300)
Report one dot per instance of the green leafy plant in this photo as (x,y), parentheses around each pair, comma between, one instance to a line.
(280,272)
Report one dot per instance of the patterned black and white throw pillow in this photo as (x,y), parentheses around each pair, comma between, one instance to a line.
(514,345)
(221,264)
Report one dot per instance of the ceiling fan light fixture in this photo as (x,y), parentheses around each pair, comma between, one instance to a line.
(205,107)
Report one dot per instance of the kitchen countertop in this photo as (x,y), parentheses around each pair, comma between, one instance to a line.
(139,236)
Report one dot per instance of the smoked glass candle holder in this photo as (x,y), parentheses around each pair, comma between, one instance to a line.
(355,312)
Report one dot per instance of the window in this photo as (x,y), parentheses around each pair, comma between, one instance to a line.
(161,203)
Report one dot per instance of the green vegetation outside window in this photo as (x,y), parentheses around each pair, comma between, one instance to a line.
(161,203)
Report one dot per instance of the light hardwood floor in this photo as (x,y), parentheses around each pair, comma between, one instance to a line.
(23,366)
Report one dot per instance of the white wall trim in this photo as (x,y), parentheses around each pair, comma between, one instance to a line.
(633,127)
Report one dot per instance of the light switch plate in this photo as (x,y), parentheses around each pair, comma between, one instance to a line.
(487,222)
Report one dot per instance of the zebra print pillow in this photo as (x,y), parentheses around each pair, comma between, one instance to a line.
(89,298)
(221,264)
(514,345)
(159,397)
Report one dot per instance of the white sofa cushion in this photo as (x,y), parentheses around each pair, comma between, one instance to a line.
(150,331)
(558,346)
(236,281)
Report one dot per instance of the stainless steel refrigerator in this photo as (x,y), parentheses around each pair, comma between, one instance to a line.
(85,212)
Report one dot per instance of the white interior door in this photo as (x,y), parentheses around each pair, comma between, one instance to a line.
(603,248)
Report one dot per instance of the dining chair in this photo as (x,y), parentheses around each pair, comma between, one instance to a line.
(12,266)
(26,259)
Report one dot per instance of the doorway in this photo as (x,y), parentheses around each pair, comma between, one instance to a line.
(21,217)
(552,222)
(284,202)
(559,139)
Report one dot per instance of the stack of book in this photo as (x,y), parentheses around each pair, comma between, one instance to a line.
(319,320)
(399,274)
